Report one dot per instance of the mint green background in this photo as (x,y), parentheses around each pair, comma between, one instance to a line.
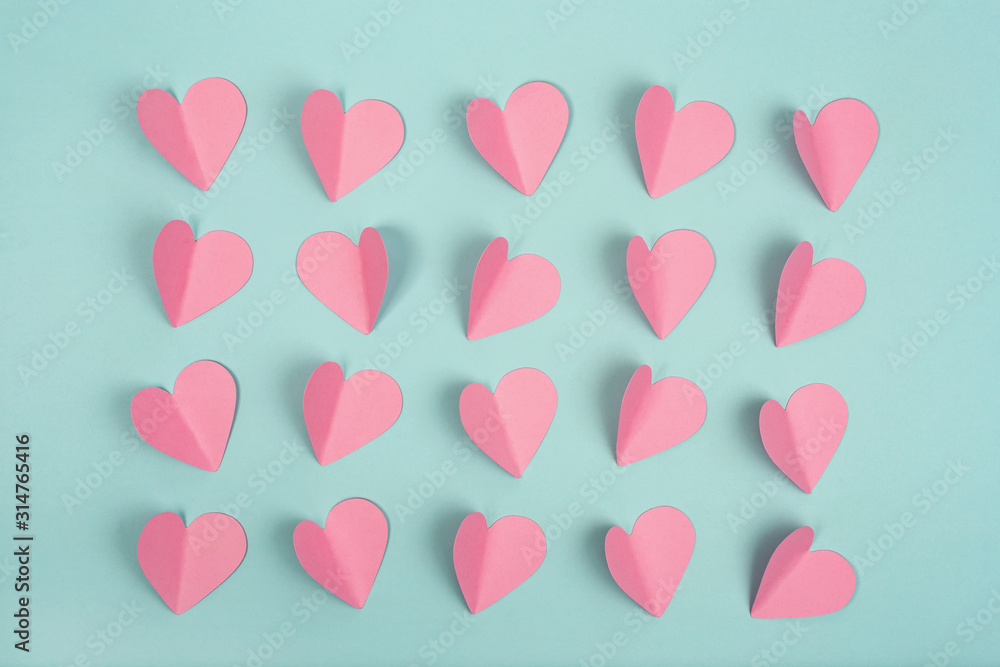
(63,239)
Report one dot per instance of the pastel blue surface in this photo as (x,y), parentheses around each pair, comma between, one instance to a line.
(917,365)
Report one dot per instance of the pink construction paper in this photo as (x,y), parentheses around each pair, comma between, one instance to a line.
(184,564)
(674,147)
(507,293)
(492,561)
(521,140)
(649,564)
(345,555)
(802,437)
(668,279)
(655,417)
(814,297)
(349,279)
(349,148)
(195,276)
(192,424)
(344,415)
(836,148)
(197,135)
(799,583)
(510,423)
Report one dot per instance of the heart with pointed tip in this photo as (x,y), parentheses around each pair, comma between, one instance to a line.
(656,416)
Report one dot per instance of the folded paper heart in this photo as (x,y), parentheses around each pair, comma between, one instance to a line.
(347,149)
(491,561)
(344,556)
(192,424)
(197,135)
(343,415)
(802,437)
(195,276)
(798,583)
(520,140)
(510,423)
(655,417)
(668,279)
(674,147)
(184,564)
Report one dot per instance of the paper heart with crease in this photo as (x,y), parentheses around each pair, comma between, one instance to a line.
(343,415)
(668,279)
(192,424)
(798,583)
(674,147)
(348,279)
(195,276)
(507,293)
(510,423)
(521,140)
(492,561)
(655,417)
(802,437)
(649,564)
(184,564)
(814,297)
(197,135)
(344,556)
(347,149)
(836,148)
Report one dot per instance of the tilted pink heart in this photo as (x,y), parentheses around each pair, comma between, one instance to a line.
(507,293)
(674,147)
(345,555)
(348,279)
(649,564)
(799,583)
(195,276)
(814,297)
(343,415)
(192,424)
(668,279)
(836,148)
(349,148)
(802,438)
(197,135)
(509,424)
(184,564)
(655,417)
(521,140)
(492,561)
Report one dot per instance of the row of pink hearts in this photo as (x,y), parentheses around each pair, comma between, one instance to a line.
(185,564)
(342,415)
(519,141)
(195,276)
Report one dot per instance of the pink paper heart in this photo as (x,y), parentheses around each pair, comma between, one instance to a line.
(655,417)
(507,293)
(836,148)
(344,415)
(349,148)
(195,276)
(799,583)
(184,564)
(814,298)
(349,279)
(344,556)
(668,279)
(198,135)
(492,561)
(802,438)
(521,140)
(674,147)
(649,564)
(509,424)
(192,424)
